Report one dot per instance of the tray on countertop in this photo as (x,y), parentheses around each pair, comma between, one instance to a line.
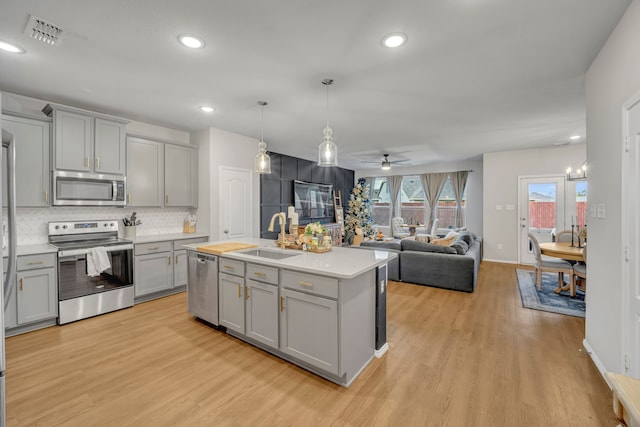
(225,247)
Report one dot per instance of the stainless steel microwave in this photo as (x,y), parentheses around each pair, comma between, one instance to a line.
(88,189)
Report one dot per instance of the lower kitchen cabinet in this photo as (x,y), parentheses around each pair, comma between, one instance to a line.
(160,268)
(35,297)
(152,273)
(309,329)
(261,307)
(231,302)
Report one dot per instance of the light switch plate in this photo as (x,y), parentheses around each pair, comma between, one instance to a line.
(511,207)
(592,208)
(601,210)
(499,207)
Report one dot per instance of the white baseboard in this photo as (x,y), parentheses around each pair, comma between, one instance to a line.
(596,360)
(382,350)
(502,261)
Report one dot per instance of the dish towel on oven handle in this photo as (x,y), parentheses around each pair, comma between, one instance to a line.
(97,261)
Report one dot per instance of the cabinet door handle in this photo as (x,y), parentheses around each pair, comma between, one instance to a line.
(36,263)
(306,284)
(169,260)
(21,283)
(259,274)
(97,162)
(227,267)
(281,304)
(86,162)
(128,198)
(155,248)
(46,197)
(239,293)
(176,259)
(166,198)
(246,292)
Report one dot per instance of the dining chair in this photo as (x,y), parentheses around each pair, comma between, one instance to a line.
(550,265)
(397,230)
(565,236)
(580,270)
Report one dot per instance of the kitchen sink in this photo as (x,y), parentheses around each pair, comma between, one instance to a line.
(264,253)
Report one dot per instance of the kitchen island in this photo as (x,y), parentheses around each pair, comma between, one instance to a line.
(316,310)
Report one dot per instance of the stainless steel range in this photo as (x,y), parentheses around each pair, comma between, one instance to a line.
(79,294)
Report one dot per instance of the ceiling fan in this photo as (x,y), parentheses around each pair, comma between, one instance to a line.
(386,163)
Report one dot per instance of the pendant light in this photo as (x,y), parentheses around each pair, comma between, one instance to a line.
(328,150)
(263,161)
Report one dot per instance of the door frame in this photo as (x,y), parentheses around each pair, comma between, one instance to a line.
(630,223)
(561,216)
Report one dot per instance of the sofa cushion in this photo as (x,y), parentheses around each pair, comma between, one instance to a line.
(382,245)
(412,245)
(460,246)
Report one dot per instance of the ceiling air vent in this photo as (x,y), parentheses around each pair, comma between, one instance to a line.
(43,31)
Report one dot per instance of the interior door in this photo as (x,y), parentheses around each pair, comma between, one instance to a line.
(236,195)
(541,209)
(631,231)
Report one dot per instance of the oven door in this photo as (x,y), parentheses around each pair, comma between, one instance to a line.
(81,295)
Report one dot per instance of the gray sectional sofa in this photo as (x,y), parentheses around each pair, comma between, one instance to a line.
(450,267)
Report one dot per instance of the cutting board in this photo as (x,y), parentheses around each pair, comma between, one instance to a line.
(225,247)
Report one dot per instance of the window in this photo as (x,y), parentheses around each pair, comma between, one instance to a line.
(447,207)
(380,197)
(581,202)
(412,207)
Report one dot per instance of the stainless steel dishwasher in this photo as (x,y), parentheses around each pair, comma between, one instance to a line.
(202,286)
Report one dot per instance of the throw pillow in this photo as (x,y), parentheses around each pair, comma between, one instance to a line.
(460,246)
(467,237)
(451,234)
(412,245)
(447,241)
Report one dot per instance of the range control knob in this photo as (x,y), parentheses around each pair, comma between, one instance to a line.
(57,227)
(64,226)
(111,224)
(106,225)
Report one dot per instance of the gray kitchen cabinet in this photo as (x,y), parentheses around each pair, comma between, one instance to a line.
(179,268)
(36,290)
(180,176)
(309,329)
(261,312)
(33,177)
(86,141)
(145,172)
(231,291)
(153,268)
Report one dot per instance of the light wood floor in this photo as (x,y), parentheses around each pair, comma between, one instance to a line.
(456,359)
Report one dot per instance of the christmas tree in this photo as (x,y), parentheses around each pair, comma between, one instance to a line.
(359,212)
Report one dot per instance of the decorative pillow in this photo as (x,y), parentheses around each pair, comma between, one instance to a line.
(424,238)
(460,246)
(446,241)
(467,236)
(412,245)
(451,234)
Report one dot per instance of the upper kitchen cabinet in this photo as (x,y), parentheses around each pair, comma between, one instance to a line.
(161,174)
(32,161)
(145,172)
(86,141)
(180,176)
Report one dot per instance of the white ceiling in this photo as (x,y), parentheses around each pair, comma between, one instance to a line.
(476,76)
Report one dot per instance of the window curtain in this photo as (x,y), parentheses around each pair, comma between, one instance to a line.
(432,184)
(395,183)
(458,183)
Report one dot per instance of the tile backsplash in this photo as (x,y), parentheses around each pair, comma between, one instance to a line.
(32,222)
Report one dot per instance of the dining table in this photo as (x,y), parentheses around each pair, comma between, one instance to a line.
(563,250)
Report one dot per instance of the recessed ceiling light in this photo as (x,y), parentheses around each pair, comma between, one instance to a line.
(574,137)
(11,47)
(207,109)
(394,40)
(189,40)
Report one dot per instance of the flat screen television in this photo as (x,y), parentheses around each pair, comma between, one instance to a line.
(313,202)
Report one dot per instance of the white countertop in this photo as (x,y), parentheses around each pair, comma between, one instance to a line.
(340,262)
(42,248)
(167,237)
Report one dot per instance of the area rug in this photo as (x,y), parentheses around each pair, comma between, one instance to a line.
(547,299)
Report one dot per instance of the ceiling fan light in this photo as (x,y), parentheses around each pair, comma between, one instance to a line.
(386,165)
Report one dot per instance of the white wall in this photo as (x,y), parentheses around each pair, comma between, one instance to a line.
(612,79)
(232,150)
(474,184)
(501,172)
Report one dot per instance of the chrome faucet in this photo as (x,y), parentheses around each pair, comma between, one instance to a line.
(283,221)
